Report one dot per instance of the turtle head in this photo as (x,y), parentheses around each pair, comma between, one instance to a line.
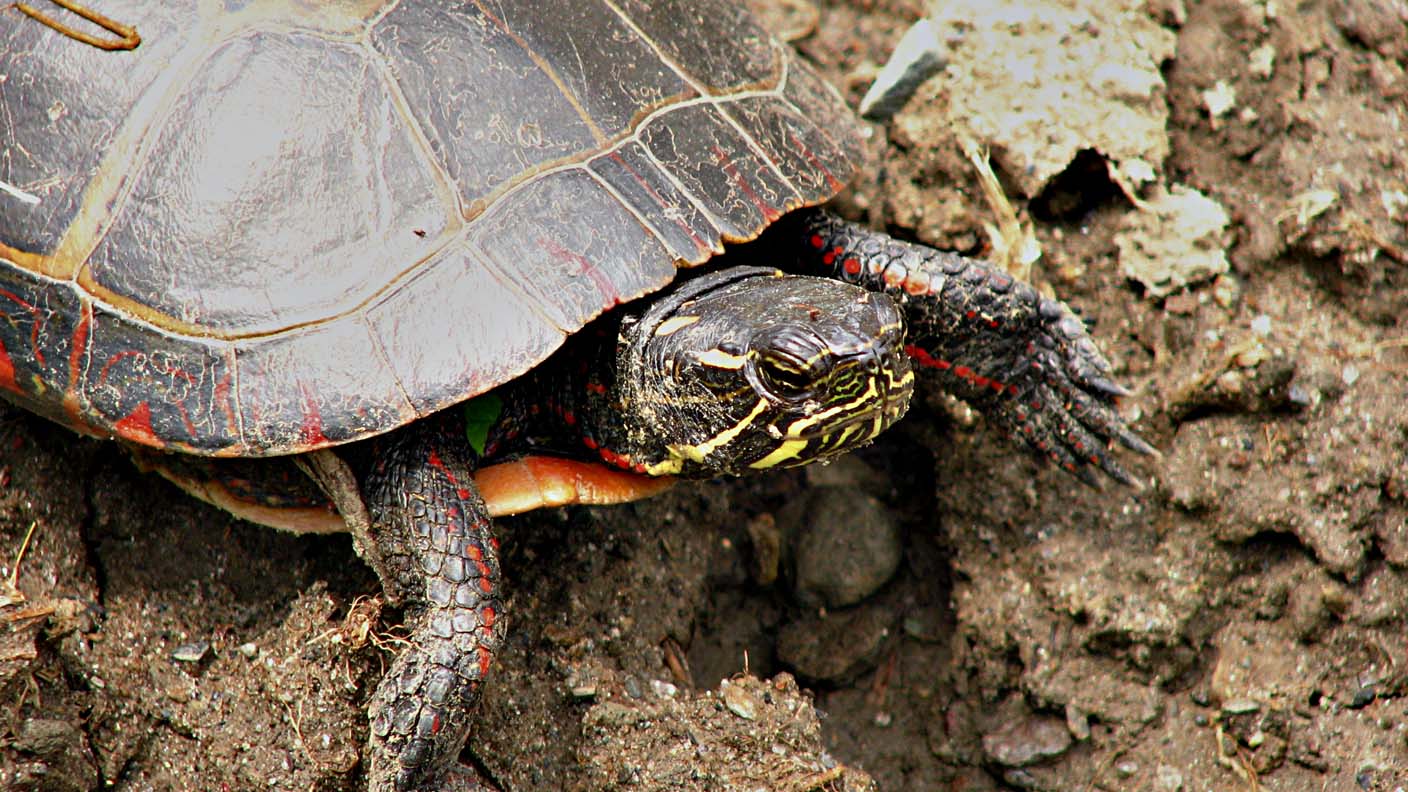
(747,369)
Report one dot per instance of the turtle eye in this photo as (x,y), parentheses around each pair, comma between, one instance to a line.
(789,362)
(785,376)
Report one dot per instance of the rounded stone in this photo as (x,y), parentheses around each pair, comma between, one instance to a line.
(846,546)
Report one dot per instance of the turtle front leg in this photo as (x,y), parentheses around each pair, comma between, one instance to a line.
(435,552)
(1023,360)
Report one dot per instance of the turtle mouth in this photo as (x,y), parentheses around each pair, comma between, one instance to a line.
(878,416)
(823,433)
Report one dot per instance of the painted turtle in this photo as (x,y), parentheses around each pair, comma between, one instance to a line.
(366,244)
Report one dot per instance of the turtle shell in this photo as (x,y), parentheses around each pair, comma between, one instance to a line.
(278,226)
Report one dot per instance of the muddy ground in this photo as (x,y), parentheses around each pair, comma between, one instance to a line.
(1238,623)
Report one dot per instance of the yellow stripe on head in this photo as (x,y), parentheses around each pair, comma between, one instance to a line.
(717,358)
(788,450)
(698,453)
(675,323)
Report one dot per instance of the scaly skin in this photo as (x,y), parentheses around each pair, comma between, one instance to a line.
(616,393)
(439,559)
(1023,360)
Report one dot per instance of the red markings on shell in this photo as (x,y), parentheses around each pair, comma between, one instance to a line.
(137,426)
(7,372)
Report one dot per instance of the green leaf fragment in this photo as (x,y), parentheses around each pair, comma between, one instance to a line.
(480,415)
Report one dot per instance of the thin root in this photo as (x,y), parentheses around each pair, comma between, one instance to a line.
(127,35)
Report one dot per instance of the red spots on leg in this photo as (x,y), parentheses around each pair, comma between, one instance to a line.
(436,462)
(818,242)
(487,615)
(851,265)
(923,358)
(917,283)
(485,658)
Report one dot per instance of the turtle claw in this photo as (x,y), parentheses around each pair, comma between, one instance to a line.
(1108,387)
(1136,443)
(1063,405)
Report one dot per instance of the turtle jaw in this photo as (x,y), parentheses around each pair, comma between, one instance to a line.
(861,406)
(761,371)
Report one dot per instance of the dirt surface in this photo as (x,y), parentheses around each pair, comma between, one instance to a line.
(958,617)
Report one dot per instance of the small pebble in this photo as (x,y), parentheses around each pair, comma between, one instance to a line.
(1026,742)
(1169,779)
(1077,722)
(1127,769)
(191,652)
(846,546)
(739,701)
(249,649)
(808,646)
(918,56)
(1240,706)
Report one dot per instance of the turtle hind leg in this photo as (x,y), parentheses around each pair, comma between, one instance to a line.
(431,542)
